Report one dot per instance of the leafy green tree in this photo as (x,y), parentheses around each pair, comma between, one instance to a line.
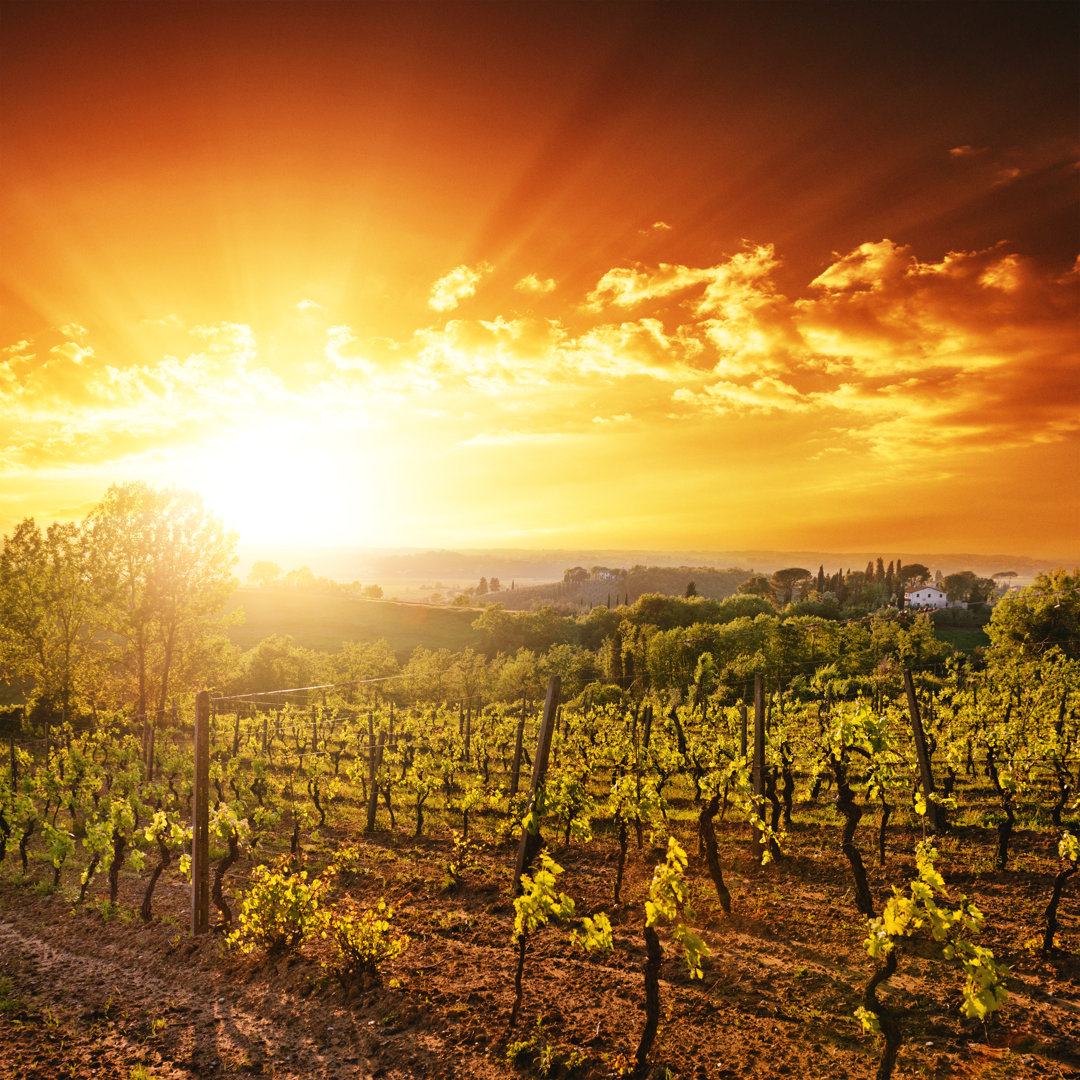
(278,662)
(756,585)
(912,575)
(264,572)
(966,586)
(300,578)
(165,572)
(48,614)
(785,583)
(1043,616)
(503,632)
(360,661)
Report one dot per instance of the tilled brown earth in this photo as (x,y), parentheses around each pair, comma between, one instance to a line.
(87,996)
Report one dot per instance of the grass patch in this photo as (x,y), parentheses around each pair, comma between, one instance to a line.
(317,620)
(9,1003)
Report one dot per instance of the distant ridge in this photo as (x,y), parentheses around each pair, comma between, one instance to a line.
(382,565)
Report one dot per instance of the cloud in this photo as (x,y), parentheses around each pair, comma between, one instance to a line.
(309,305)
(881,357)
(454,287)
(531,283)
(628,286)
(967,151)
(760,397)
(871,266)
(729,316)
(72,351)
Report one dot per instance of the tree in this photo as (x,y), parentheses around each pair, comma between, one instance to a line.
(47,613)
(967,586)
(913,575)
(785,583)
(164,571)
(1004,579)
(756,585)
(301,578)
(494,585)
(691,589)
(372,592)
(264,573)
(482,588)
(276,663)
(1044,615)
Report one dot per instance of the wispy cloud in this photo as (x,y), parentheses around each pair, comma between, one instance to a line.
(532,283)
(454,287)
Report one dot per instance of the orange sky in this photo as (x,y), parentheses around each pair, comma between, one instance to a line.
(547,275)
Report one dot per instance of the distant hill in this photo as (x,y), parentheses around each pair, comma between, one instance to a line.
(616,586)
(322,620)
(385,567)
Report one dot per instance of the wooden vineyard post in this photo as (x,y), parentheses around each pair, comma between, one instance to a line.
(373,774)
(758,769)
(200,819)
(530,839)
(515,772)
(935,812)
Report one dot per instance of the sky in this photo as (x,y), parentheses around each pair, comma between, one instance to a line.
(540,275)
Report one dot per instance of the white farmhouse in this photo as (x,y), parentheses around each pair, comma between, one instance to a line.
(926,596)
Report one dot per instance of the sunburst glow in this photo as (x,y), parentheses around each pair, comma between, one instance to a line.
(536,275)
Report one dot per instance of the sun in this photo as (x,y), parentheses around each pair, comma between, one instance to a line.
(278,483)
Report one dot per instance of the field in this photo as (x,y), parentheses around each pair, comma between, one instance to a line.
(88,999)
(90,990)
(322,620)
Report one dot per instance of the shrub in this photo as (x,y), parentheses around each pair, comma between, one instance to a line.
(280,912)
(362,942)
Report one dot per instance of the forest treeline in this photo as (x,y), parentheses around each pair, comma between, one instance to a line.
(123,611)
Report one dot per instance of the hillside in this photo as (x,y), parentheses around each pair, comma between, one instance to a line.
(611,587)
(320,620)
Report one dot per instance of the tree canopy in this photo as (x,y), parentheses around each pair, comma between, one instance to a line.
(134,591)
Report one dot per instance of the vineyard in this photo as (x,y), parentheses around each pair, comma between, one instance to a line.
(789,884)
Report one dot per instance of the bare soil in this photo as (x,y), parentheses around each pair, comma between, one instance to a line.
(85,995)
